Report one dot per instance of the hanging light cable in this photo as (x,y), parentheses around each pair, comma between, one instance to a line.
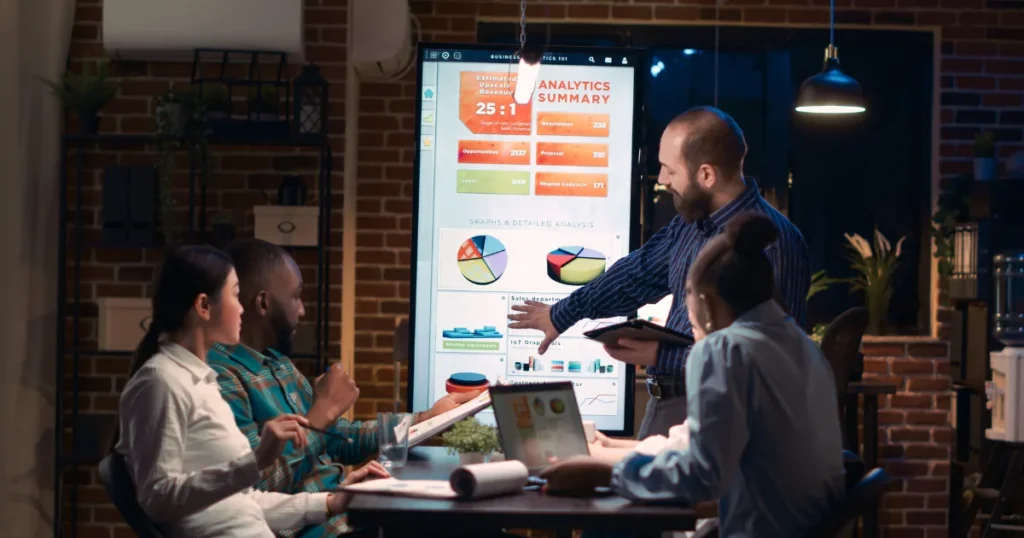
(529,63)
(718,25)
(831,91)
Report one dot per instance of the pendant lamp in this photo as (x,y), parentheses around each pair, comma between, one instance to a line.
(831,91)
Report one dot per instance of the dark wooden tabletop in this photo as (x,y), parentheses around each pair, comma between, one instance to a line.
(527,510)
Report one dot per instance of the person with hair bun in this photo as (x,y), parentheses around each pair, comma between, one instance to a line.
(192,468)
(762,427)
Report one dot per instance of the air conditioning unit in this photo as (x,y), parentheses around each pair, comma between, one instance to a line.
(170,30)
(382,45)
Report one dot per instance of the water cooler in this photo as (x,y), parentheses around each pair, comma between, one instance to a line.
(1005,390)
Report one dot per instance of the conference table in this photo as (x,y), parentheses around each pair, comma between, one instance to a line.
(404,516)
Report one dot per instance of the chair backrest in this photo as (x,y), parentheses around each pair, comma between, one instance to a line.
(118,483)
(854,467)
(841,346)
(857,502)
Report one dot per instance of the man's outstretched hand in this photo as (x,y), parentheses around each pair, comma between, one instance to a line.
(537,316)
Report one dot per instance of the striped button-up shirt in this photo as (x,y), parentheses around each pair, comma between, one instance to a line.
(261,387)
(660,266)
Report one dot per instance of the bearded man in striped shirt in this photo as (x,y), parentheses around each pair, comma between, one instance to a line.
(701,156)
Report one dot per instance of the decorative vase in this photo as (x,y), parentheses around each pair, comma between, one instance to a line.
(984,168)
(470,458)
(88,122)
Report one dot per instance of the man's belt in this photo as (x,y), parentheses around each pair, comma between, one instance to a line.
(665,387)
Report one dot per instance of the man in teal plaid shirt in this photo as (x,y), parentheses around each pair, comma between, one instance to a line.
(259,382)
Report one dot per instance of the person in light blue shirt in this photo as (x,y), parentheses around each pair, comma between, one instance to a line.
(762,419)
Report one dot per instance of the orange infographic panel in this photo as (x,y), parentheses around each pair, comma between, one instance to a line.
(570,154)
(562,184)
(572,124)
(486,105)
(493,152)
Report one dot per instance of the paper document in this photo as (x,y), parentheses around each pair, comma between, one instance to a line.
(466,483)
(429,489)
(429,428)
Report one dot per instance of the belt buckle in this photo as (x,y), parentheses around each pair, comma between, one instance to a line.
(653,388)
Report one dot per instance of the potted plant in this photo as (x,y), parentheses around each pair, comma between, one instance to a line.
(952,207)
(216,101)
(875,265)
(472,441)
(264,103)
(985,156)
(222,230)
(175,111)
(86,94)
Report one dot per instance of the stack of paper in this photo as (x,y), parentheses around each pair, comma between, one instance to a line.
(429,489)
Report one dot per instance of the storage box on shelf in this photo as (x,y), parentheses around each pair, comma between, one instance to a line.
(286,225)
(122,322)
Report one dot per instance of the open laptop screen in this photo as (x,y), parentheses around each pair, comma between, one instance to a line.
(538,421)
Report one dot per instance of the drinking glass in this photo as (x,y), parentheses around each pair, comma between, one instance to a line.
(393,437)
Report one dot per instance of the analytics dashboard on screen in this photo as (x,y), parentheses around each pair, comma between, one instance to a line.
(516,202)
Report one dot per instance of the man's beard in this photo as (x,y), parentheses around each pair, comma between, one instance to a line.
(283,331)
(693,203)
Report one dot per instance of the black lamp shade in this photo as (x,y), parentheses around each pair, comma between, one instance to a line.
(830,92)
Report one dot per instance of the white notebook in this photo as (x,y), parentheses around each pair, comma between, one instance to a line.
(429,428)
(428,489)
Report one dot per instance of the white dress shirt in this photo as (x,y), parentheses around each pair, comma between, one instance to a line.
(193,469)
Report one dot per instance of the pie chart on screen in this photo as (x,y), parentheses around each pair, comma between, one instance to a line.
(575,265)
(482,259)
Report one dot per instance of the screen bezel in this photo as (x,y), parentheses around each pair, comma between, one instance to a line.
(548,387)
(636,176)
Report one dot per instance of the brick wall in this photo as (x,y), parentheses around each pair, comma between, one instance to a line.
(914,433)
(983,80)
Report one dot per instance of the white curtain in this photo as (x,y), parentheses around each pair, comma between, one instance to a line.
(34,40)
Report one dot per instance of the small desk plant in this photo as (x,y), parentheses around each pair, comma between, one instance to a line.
(472,441)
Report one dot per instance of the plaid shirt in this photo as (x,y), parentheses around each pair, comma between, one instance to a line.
(261,387)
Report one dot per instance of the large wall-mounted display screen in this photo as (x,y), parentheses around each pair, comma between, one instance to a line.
(517,202)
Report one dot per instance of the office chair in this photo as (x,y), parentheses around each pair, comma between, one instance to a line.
(841,346)
(119,486)
(858,501)
(854,467)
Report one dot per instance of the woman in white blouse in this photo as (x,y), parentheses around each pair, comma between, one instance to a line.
(192,468)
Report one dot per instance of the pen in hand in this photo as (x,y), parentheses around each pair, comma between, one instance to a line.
(329,433)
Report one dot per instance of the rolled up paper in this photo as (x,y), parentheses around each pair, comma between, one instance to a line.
(489,479)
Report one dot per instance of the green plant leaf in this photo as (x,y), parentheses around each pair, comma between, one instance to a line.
(470,435)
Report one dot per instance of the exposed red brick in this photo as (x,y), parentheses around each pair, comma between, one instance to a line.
(883,350)
(913,366)
(632,12)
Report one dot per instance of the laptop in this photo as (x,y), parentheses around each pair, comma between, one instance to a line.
(538,421)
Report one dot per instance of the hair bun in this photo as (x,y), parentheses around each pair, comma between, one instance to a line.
(751,233)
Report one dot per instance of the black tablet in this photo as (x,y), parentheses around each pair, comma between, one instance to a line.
(638,329)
